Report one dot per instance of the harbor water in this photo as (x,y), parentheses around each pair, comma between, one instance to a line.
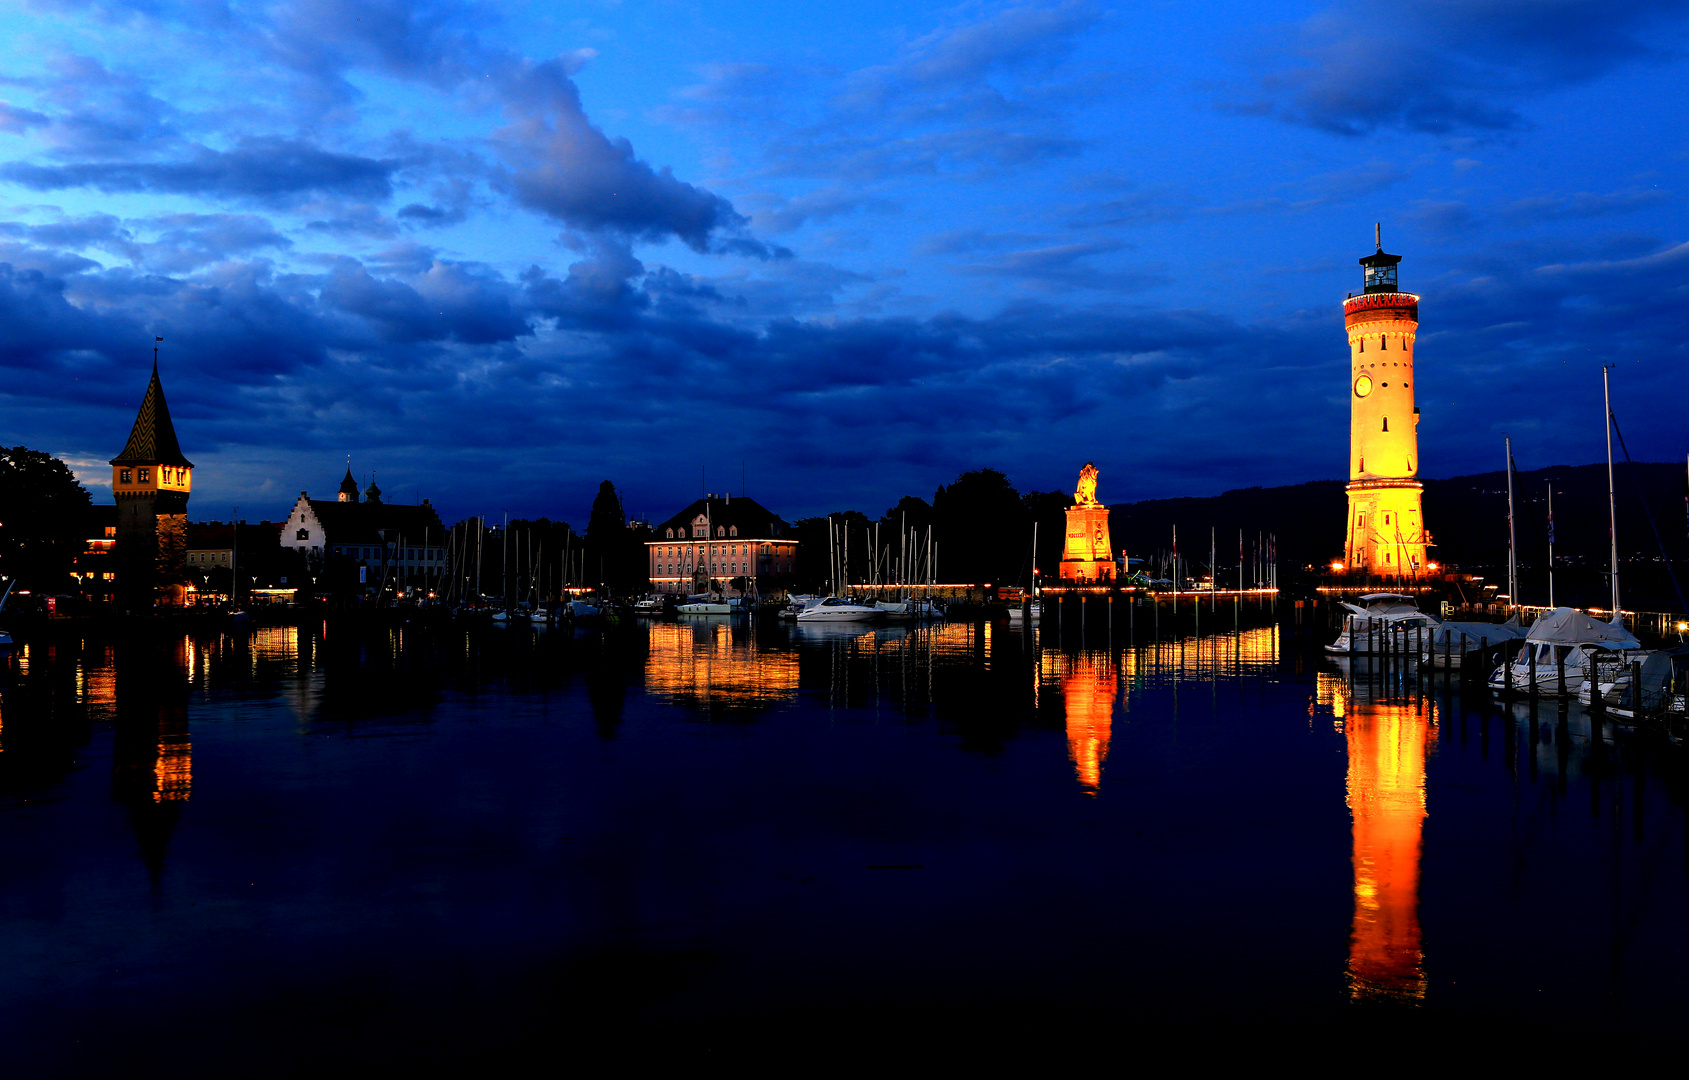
(355,845)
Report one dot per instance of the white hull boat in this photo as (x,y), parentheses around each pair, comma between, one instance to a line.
(838,609)
(1388,623)
(1564,635)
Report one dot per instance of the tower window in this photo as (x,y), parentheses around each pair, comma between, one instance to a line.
(1383,342)
(1363,344)
(1386,423)
(303,534)
(124,476)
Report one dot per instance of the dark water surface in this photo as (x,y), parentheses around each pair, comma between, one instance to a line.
(298,847)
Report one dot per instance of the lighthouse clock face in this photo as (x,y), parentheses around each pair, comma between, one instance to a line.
(1363,386)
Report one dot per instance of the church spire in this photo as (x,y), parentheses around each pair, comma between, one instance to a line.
(152,441)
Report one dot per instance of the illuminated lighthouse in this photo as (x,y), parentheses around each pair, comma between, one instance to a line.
(1387,536)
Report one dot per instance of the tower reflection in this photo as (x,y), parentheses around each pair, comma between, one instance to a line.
(152,757)
(1089,685)
(1387,744)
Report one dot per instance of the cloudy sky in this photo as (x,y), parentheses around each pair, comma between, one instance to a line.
(498,252)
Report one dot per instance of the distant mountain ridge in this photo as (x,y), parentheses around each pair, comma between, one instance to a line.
(1467,516)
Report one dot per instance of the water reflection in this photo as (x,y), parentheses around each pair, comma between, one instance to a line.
(152,755)
(1089,685)
(1386,742)
(703,663)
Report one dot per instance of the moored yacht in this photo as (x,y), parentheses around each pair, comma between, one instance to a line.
(838,609)
(1388,622)
(1584,644)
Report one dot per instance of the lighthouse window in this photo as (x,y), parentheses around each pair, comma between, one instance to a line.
(1386,423)
(1383,342)
(1363,344)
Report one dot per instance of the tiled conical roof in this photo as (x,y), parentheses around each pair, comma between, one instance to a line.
(153,439)
(349,486)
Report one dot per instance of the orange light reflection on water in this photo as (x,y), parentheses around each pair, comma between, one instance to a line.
(1089,685)
(701,662)
(1386,744)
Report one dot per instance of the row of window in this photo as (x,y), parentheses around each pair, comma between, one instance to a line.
(1383,343)
(701,530)
(732,549)
(143,475)
(717,568)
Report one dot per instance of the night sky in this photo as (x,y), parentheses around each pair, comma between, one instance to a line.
(499,252)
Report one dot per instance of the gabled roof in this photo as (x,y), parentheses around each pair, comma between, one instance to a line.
(152,441)
(362,523)
(751,518)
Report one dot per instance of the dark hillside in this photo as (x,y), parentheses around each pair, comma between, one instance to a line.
(1467,516)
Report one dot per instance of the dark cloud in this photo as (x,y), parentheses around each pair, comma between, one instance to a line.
(16,120)
(372,353)
(115,137)
(262,168)
(1445,68)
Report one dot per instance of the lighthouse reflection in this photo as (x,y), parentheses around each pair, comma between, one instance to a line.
(1386,745)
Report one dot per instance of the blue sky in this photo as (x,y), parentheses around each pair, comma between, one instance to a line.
(498,252)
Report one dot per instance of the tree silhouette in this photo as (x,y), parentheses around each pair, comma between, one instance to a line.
(43,518)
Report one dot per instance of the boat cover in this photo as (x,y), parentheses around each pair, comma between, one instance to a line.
(1476,633)
(1568,626)
(1663,672)
(1384,604)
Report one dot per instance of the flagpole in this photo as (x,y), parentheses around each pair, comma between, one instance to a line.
(1175,572)
(1512,561)
(1551,544)
(1612,504)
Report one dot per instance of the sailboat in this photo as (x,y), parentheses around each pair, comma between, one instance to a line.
(1591,650)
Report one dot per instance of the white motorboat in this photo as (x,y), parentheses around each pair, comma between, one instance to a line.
(1665,686)
(798,602)
(705,604)
(1584,643)
(1388,622)
(648,605)
(838,609)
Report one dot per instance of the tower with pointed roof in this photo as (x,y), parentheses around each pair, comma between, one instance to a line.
(151,480)
(348,487)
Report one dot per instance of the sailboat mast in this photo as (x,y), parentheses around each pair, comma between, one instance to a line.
(1612,504)
(1512,556)
(1551,544)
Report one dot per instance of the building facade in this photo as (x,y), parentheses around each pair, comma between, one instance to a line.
(1386,534)
(716,540)
(388,543)
(151,481)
